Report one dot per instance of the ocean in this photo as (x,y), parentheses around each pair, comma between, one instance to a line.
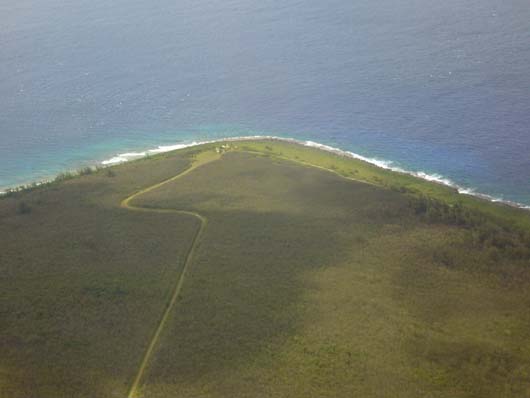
(441,89)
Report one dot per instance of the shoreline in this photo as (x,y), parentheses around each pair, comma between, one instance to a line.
(383,164)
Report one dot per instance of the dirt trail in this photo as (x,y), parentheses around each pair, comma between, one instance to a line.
(126,204)
(132,393)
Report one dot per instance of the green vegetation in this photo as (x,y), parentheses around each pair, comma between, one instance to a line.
(23,208)
(348,281)
(84,282)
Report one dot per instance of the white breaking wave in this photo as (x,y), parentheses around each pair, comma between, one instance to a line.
(389,165)
(384,164)
(437,178)
(125,157)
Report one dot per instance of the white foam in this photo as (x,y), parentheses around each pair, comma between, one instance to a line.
(124,157)
(388,165)
(169,148)
(384,164)
(381,163)
(435,178)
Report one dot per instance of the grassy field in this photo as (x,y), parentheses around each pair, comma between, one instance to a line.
(304,283)
(83,282)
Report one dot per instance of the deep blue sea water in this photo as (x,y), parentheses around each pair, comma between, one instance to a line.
(436,86)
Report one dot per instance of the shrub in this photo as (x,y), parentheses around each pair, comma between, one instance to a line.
(8,193)
(444,257)
(64,176)
(110,173)
(436,211)
(498,239)
(85,171)
(23,208)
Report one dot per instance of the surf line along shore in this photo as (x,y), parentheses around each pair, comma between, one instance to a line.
(383,164)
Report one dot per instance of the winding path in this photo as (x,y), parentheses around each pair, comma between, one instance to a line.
(126,204)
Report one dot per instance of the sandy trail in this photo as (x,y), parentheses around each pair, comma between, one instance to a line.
(132,393)
(126,204)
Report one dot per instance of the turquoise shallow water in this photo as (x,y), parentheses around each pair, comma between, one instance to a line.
(436,87)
